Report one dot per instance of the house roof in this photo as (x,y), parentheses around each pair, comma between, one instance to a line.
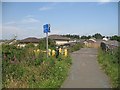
(30,40)
(58,37)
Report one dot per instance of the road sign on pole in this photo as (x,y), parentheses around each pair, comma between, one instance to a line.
(46,29)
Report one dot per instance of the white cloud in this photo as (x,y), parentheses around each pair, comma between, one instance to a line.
(49,6)
(45,8)
(105,0)
(29,16)
(10,23)
(8,32)
(27,20)
(30,20)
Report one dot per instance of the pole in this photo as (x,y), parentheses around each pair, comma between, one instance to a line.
(47,44)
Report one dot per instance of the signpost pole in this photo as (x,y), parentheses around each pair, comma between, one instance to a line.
(47,44)
(46,28)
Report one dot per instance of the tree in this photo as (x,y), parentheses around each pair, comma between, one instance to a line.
(98,36)
(84,37)
(115,37)
(42,44)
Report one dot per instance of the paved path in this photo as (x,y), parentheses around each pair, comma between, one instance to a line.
(85,71)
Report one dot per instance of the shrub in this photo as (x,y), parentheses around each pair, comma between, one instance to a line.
(32,71)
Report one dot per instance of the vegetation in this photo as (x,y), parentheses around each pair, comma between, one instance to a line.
(75,47)
(109,62)
(42,44)
(72,36)
(115,37)
(97,36)
(28,67)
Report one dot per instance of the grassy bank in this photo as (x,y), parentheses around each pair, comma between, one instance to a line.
(109,63)
(22,68)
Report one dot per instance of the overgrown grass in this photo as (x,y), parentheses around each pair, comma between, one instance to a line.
(28,70)
(109,63)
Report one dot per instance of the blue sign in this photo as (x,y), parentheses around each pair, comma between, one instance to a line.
(46,28)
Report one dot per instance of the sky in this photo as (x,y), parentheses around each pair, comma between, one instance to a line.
(26,19)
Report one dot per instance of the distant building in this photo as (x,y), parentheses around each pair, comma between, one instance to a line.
(2,42)
(33,40)
(59,40)
(105,39)
(93,43)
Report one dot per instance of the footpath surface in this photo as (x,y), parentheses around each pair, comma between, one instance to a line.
(85,71)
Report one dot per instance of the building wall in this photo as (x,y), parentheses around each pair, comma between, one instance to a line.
(61,42)
(92,45)
(23,45)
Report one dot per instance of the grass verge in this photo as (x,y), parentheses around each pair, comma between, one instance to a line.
(109,63)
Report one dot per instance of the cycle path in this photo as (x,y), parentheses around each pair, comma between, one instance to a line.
(85,71)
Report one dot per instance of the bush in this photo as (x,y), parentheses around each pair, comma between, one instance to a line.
(23,69)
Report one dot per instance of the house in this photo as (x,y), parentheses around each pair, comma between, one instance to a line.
(93,43)
(33,40)
(2,42)
(105,39)
(10,42)
(89,43)
(59,40)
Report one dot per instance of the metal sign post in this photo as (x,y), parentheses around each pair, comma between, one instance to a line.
(46,28)
(47,44)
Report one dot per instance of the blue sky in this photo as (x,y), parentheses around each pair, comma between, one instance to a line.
(26,19)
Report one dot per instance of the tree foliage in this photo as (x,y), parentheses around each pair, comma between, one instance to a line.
(115,37)
(42,44)
(72,36)
(97,36)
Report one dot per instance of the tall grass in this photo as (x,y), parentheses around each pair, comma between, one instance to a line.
(109,63)
(21,68)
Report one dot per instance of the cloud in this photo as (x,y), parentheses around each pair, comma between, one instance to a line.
(10,23)
(45,8)
(105,0)
(49,6)
(27,20)
(8,31)
(29,16)
(30,20)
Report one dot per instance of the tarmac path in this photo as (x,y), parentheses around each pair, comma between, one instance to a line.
(85,71)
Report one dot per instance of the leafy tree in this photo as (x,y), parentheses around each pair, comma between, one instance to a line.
(89,36)
(84,37)
(115,37)
(98,36)
(42,44)
(72,36)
